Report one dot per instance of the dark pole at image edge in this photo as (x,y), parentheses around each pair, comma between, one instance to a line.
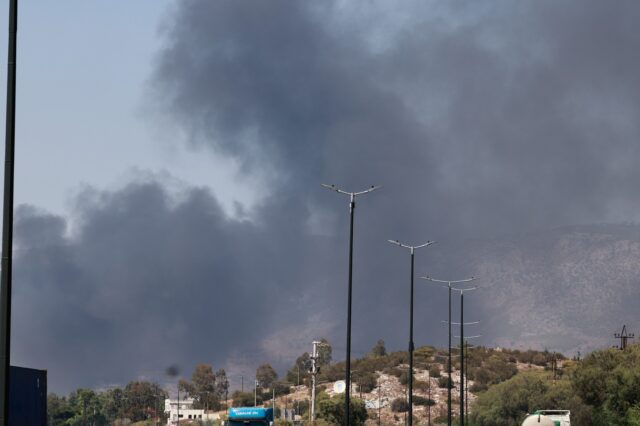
(7,212)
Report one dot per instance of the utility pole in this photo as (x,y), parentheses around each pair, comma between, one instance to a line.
(314,373)
(242,383)
(429,402)
(462,291)
(624,337)
(450,381)
(412,250)
(466,388)
(255,394)
(352,207)
(7,217)
(379,403)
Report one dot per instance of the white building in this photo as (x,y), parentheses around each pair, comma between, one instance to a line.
(187,412)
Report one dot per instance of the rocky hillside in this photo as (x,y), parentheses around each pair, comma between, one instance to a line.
(567,290)
(486,367)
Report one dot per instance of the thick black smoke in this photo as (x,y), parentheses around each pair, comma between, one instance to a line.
(480,121)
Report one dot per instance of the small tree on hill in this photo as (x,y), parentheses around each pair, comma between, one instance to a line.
(332,410)
(266,375)
(324,352)
(434,371)
(399,405)
(299,373)
(379,349)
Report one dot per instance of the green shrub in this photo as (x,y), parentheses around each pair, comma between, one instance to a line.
(399,405)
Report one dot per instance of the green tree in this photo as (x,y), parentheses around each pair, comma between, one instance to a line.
(141,399)
(266,375)
(609,381)
(507,403)
(367,381)
(378,349)
(58,410)
(324,352)
(332,410)
(244,399)
(399,405)
(299,373)
(85,405)
(434,370)
(205,391)
(222,384)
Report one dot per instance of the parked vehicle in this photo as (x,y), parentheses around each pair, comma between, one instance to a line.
(250,416)
(548,418)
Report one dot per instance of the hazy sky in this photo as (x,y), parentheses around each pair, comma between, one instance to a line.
(170,155)
(82,77)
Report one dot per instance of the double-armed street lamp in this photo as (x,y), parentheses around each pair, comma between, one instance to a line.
(412,250)
(449,286)
(464,353)
(352,205)
(462,324)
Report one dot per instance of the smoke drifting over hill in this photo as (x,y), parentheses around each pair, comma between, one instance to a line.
(481,121)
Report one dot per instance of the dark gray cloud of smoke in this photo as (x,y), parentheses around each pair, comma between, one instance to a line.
(480,121)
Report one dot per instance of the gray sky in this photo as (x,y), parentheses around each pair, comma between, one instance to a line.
(170,155)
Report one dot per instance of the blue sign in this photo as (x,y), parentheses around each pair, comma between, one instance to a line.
(250,413)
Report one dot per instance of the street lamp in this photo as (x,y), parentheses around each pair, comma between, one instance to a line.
(352,206)
(412,250)
(462,379)
(448,286)
(462,324)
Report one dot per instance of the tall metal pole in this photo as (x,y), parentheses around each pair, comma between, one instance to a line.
(7,220)
(412,250)
(461,358)
(466,387)
(429,402)
(411,347)
(314,372)
(449,365)
(448,286)
(352,206)
(379,403)
(347,394)
(462,351)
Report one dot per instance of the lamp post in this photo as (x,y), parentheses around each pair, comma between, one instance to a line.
(466,381)
(429,397)
(352,206)
(462,324)
(412,250)
(449,287)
